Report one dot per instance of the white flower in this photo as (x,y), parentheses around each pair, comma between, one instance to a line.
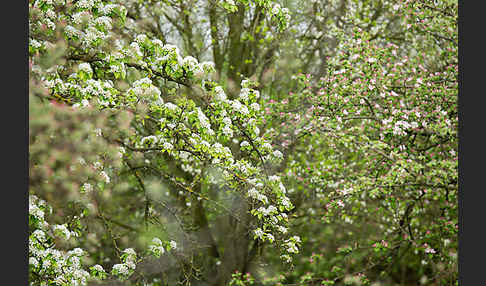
(429,250)
(120,269)
(39,235)
(157,250)
(156,241)
(86,4)
(203,119)
(171,106)
(274,178)
(98,132)
(227,121)
(78,17)
(92,34)
(136,49)
(207,66)
(286,202)
(267,146)
(35,43)
(278,154)
(236,105)
(168,146)
(262,198)
(255,106)
(87,187)
(130,263)
(105,177)
(270,237)
(228,131)
(151,139)
(172,49)
(244,144)
(71,31)
(85,67)
(244,93)
(259,232)
(46,264)
(35,211)
(190,63)
(63,230)
(130,251)
(292,248)
(244,110)
(33,261)
(141,38)
(97,165)
(257,131)
(275,8)
(104,21)
(282,229)
(77,251)
(99,268)
(253,193)
(107,9)
(219,94)
(173,244)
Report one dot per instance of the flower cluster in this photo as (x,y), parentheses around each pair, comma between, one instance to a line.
(125,269)
(55,265)
(158,247)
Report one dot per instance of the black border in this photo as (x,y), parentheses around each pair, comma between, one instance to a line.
(15,141)
(471,126)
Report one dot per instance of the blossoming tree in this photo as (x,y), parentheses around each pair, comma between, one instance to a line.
(173,142)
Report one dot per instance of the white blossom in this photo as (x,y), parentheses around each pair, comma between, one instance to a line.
(219,94)
(87,187)
(255,106)
(274,178)
(168,146)
(86,4)
(39,235)
(99,268)
(61,228)
(105,177)
(120,269)
(244,93)
(85,67)
(228,131)
(104,21)
(259,233)
(33,261)
(270,237)
(282,229)
(278,154)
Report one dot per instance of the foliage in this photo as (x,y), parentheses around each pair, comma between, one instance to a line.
(189,142)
